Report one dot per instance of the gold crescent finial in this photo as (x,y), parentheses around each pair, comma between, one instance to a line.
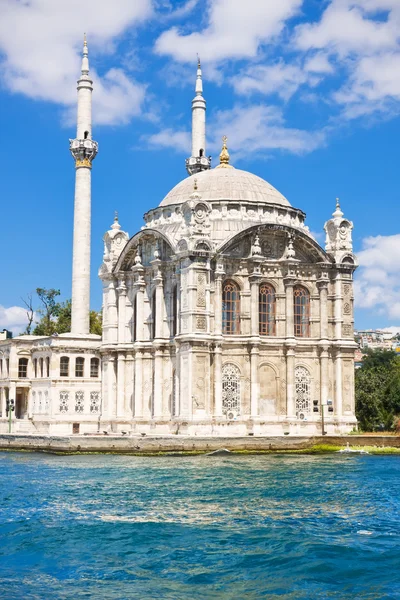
(198,62)
(195,184)
(224,156)
(337,203)
(84,39)
(116,216)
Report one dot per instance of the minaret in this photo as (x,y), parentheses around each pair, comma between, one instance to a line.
(84,150)
(198,161)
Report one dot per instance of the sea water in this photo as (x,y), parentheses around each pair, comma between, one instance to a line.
(223,527)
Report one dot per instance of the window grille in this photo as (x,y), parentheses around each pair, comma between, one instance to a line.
(79,401)
(94,367)
(303,390)
(79,366)
(64,366)
(23,367)
(64,400)
(301,299)
(267,310)
(94,402)
(230,308)
(230,389)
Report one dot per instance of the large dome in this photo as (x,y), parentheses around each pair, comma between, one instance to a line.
(226,184)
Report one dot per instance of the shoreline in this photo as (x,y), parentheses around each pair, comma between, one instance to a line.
(191,446)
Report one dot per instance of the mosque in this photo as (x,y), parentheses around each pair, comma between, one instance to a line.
(221,316)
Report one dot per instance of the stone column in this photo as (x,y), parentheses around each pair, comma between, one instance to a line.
(140,312)
(121,385)
(29,403)
(323,308)
(338,307)
(218,304)
(112,387)
(290,382)
(338,379)
(217,380)
(129,385)
(112,313)
(254,307)
(289,284)
(121,311)
(254,399)
(159,310)
(324,374)
(104,386)
(138,400)
(157,388)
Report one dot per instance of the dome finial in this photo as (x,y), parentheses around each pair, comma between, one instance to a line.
(224,156)
(338,212)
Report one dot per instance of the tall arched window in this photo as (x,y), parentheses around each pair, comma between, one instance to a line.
(23,367)
(41,367)
(230,308)
(153,315)
(267,310)
(47,366)
(303,390)
(230,390)
(35,366)
(64,366)
(301,298)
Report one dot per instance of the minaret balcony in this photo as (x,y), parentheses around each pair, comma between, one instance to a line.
(196,164)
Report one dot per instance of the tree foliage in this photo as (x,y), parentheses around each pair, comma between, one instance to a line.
(378,391)
(55,317)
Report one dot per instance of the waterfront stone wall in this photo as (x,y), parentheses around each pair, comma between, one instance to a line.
(156,444)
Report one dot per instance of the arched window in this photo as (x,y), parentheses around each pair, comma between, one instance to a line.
(153,315)
(174,311)
(41,367)
(47,366)
(230,390)
(267,310)
(303,391)
(94,367)
(79,366)
(23,367)
(230,308)
(301,298)
(35,366)
(64,366)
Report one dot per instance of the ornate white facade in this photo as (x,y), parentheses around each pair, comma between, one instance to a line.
(221,316)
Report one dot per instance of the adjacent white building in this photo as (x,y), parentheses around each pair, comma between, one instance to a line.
(222,315)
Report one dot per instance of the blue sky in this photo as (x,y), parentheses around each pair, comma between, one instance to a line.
(308,93)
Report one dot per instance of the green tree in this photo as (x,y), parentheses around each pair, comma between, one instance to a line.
(48,311)
(377,388)
(56,316)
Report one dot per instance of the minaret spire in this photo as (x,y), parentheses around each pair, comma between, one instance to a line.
(198,160)
(83,150)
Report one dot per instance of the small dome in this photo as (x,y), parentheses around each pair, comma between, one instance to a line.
(226,184)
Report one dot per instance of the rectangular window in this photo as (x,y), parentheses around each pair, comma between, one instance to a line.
(64,366)
(23,367)
(94,367)
(79,366)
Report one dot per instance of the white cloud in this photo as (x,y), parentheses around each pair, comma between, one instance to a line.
(13,318)
(280,78)
(235,30)
(41,44)
(377,284)
(168,138)
(361,36)
(250,129)
(260,128)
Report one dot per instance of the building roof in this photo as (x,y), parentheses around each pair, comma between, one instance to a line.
(226,184)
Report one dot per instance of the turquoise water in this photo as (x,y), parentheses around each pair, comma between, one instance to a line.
(116,527)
